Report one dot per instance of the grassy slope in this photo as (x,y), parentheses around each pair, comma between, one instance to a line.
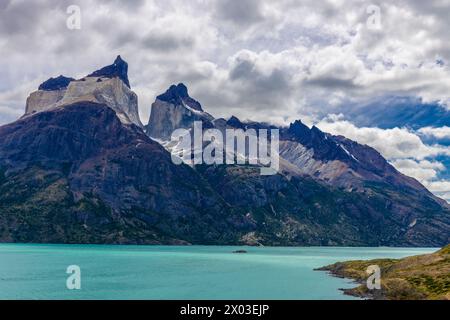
(412,278)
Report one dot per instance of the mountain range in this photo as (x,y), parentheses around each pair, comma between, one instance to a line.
(80,167)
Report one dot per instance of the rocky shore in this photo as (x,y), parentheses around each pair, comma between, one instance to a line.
(423,277)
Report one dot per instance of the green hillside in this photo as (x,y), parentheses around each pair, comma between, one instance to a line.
(423,277)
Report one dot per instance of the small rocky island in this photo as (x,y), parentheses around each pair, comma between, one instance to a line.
(423,277)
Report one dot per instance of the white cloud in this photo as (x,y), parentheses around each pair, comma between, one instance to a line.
(423,170)
(396,143)
(402,147)
(440,188)
(439,133)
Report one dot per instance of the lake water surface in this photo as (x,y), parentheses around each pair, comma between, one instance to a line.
(165,272)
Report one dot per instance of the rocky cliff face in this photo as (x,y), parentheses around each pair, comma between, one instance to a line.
(42,100)
(84,176)
(109,86)
(175,109)
(112,92)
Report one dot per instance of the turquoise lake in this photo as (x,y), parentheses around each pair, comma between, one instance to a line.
(165,272)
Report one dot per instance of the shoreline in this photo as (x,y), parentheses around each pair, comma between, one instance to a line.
(422,277)
(186,244)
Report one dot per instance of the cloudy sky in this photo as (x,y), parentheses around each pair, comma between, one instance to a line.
(376,72)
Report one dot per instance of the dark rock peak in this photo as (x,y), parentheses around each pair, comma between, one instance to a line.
(180,89)
(317,132)
(57,83)
(177,94)
(299,130)
(325,147)
(235,123)
(118,69)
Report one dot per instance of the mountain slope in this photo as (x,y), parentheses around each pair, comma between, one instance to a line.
(77,174)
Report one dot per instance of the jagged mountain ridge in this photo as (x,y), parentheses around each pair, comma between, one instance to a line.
(334,160)
(78,173)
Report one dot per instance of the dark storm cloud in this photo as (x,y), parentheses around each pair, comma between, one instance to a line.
(271,82)
(129,5)
(332,83)
(4,4)
(122,38)
(241,12)
(17,17)
(258,88)
(242,70)
(166,42)
(27,26)
(439,8)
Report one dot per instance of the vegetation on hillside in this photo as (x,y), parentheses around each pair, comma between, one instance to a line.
(423,277)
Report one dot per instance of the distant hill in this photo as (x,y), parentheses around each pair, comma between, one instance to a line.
(413,278)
